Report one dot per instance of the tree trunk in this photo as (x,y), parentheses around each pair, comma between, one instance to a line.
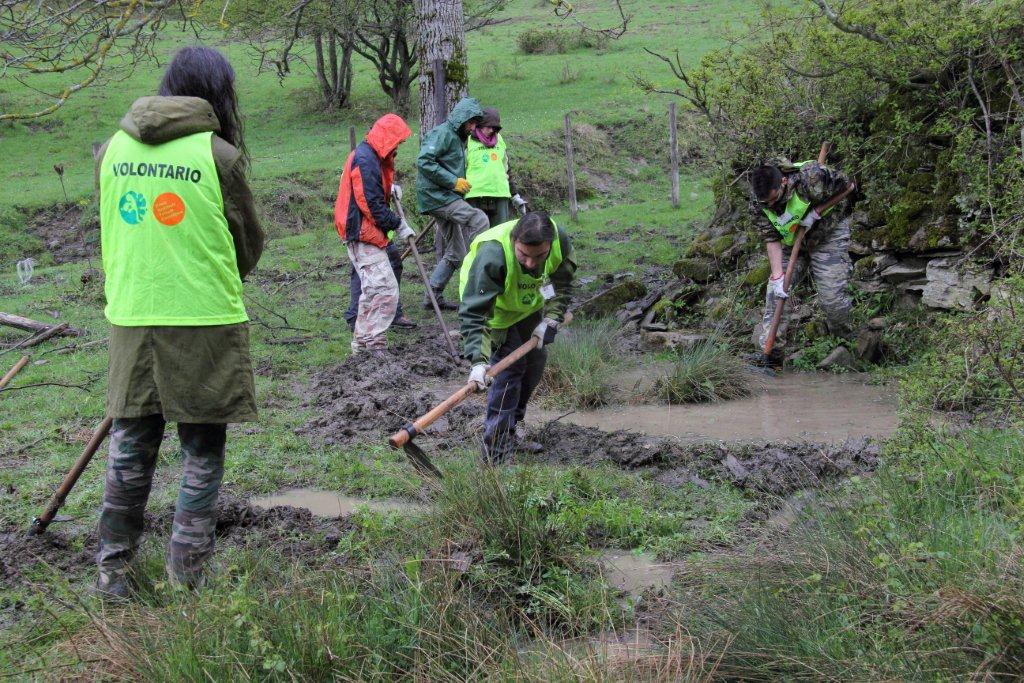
(321,74)
(442,38)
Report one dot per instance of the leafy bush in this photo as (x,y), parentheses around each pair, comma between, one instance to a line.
(707,371)
(543,41)
(976,362)
(921,101)
(581,363)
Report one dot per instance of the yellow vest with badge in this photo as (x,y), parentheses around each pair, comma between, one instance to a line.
(522,295)
(168,255)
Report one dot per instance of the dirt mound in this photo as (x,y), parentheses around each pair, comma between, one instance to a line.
(364,398)
(776,469)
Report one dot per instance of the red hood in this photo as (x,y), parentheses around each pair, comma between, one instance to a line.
(387,133)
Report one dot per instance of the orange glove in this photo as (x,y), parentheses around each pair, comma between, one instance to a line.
(462,186)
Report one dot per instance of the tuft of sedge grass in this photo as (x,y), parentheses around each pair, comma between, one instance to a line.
(581,363)
(707,371)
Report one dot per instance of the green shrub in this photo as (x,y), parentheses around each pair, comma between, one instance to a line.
(976,362)
(543,41)
(707,371)
(581,363)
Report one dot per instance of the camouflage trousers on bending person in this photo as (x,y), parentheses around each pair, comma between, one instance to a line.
(828,255)
(134,445)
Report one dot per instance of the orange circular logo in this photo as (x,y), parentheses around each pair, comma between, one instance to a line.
(494,156)
(169,209)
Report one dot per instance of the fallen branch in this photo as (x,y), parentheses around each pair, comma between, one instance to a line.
(80,387)
(294,340)
(29,325)
(36,339)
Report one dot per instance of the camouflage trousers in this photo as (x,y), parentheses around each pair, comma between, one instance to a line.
(378,300)
(828,256)
(134,444)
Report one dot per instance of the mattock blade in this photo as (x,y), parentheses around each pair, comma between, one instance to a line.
(419,460)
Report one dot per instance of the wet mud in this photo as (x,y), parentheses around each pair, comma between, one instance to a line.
(772,468)
(293,532)
(365,399)
(634,573)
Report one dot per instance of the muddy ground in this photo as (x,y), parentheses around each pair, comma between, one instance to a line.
(293,532)
(66,238)
(776,469)
(364,399)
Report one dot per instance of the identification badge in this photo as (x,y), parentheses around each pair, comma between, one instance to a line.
(548,291)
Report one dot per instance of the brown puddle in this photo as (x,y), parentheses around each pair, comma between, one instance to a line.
(790,407)
(635,572)
(333,505)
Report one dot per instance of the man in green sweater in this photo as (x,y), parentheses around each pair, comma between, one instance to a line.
(516,282)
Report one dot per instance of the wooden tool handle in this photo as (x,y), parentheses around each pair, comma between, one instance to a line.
(22,362)
(40,523)
(402,436)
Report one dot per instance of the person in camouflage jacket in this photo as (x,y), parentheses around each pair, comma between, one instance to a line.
(786,195)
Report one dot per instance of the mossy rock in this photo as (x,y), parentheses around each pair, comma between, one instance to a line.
(757,275)
(864,267)
(609,301)
(696,269)
(699,245)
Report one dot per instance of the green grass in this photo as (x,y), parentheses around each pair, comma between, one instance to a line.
(707,371)
(914,573)
(582,362)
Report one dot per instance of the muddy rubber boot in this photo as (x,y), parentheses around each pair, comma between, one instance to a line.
(523,444)
(112,589)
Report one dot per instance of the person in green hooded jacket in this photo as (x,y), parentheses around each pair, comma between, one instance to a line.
(179,231)
(440,188)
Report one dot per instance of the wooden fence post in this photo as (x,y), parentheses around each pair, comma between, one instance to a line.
(351,138)
(673,143)
(574,208)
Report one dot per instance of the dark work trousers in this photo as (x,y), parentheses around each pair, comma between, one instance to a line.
(355,287)
(511,390)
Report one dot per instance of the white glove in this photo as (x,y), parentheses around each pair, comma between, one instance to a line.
(810,219)
(545,332)
(396,191)
(519,203)
(478,376)
(405,231)
(776,287)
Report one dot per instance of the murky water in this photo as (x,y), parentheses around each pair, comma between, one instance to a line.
(332,505)
(635,572)
(821,408)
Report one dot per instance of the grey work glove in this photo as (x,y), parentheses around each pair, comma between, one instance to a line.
(478,376)
(545,332)
(776,286)
(519,203)
(405,231)
(810,219)
(396,191)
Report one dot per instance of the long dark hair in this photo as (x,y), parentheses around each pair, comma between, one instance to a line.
(206,73)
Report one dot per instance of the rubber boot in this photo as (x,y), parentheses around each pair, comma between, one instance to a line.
(443,272)
(113,589)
